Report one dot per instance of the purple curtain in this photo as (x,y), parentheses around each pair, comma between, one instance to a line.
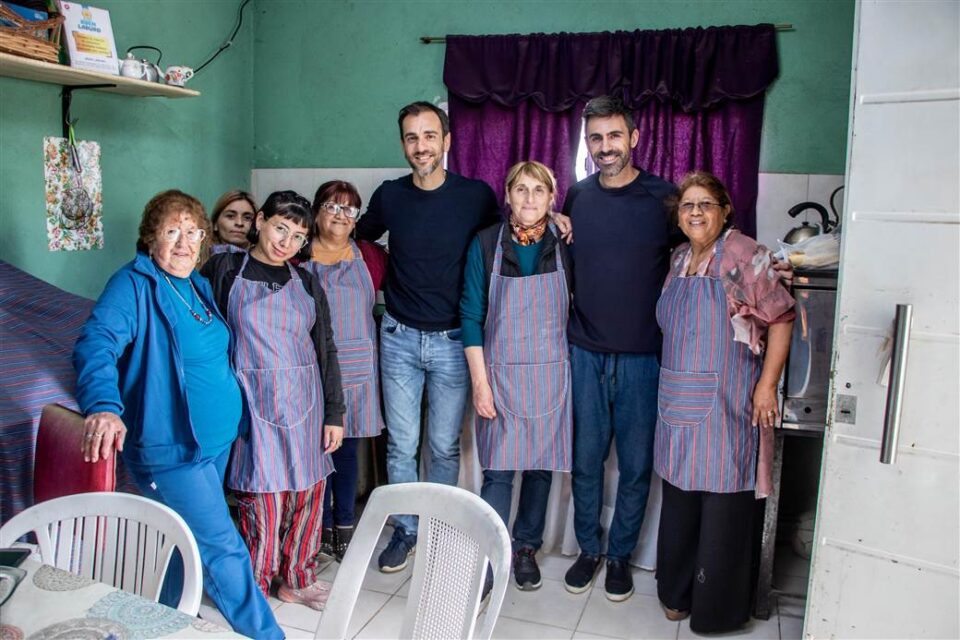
(698,96)
(724,140)
(695,68)
(487,139)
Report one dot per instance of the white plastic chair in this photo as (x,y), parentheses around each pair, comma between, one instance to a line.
(117,538)
(458,534)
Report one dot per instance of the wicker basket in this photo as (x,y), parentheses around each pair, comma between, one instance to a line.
(37,39)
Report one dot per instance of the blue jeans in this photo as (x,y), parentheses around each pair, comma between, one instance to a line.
(497,491)
(195,491)
(614,396)
(340,496)
(410,359)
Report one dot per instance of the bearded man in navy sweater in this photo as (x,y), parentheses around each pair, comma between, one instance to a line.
(623,236)
(431,216)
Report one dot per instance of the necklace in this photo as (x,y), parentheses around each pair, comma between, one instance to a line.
(196,316)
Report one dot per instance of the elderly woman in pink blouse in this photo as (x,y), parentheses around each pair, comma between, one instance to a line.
(726,321)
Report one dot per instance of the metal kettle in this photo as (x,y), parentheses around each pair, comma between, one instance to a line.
(807,230)
(149,71)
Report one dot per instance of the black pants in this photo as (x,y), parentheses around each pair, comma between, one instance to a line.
(703,556)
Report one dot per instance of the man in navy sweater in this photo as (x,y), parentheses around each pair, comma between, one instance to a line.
(431,215)
(623,237)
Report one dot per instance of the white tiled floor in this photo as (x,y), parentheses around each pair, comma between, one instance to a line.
(551,612)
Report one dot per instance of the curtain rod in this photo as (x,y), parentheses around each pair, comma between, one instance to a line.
(442,40)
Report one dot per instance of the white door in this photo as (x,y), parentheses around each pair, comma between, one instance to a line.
(885,562)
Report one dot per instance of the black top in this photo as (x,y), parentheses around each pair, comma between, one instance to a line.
(429,235)
(621,253)
(222,269)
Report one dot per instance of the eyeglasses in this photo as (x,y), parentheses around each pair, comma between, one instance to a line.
(172,235)
(705,207)
(299,239)
(333,208)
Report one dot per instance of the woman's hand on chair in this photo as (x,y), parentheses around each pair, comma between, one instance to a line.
(102,433)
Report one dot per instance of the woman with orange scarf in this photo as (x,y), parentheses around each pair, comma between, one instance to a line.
(513,312)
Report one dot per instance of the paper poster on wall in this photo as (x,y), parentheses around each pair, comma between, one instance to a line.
(73,194)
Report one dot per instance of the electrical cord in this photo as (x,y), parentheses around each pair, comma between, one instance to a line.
(228,42)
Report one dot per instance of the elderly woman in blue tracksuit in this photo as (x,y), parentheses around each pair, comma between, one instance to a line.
(155,383)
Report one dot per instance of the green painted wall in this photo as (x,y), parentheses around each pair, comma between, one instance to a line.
(318,84)
(200,145)
(331,75)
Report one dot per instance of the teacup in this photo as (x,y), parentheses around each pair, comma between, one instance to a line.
(178,76)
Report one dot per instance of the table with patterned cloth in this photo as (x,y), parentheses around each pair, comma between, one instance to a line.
(53,604)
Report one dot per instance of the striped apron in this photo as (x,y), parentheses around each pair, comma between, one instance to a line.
(224,247)
(351,297)
(704,440)
(528,364)
(276,363)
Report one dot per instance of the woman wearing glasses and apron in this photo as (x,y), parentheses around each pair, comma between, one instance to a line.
(350,274)
(514,309)
(286,360)
(726,321)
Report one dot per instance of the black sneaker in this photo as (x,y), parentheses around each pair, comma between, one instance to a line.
(327,541)
(526,573)
(342,539)
(580,576)
(401,547)
(619,582)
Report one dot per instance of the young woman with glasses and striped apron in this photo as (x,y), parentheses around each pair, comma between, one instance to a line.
(278,314)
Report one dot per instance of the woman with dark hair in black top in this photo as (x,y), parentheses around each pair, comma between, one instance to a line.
(286,361)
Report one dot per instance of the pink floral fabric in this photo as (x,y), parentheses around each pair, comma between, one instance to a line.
(756,298)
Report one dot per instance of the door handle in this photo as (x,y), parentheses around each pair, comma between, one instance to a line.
(898,369)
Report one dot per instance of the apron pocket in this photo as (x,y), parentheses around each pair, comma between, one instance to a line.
(530,390)
(356,361)
(283,398)
(686,398)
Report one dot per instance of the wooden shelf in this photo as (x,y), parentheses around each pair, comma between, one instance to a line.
(26,69)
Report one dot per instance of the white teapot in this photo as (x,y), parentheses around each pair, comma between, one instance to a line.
(177,75)
(130,67)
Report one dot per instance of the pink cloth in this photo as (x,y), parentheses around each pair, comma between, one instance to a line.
(756,298)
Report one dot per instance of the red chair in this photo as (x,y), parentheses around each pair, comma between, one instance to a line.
(58,466)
